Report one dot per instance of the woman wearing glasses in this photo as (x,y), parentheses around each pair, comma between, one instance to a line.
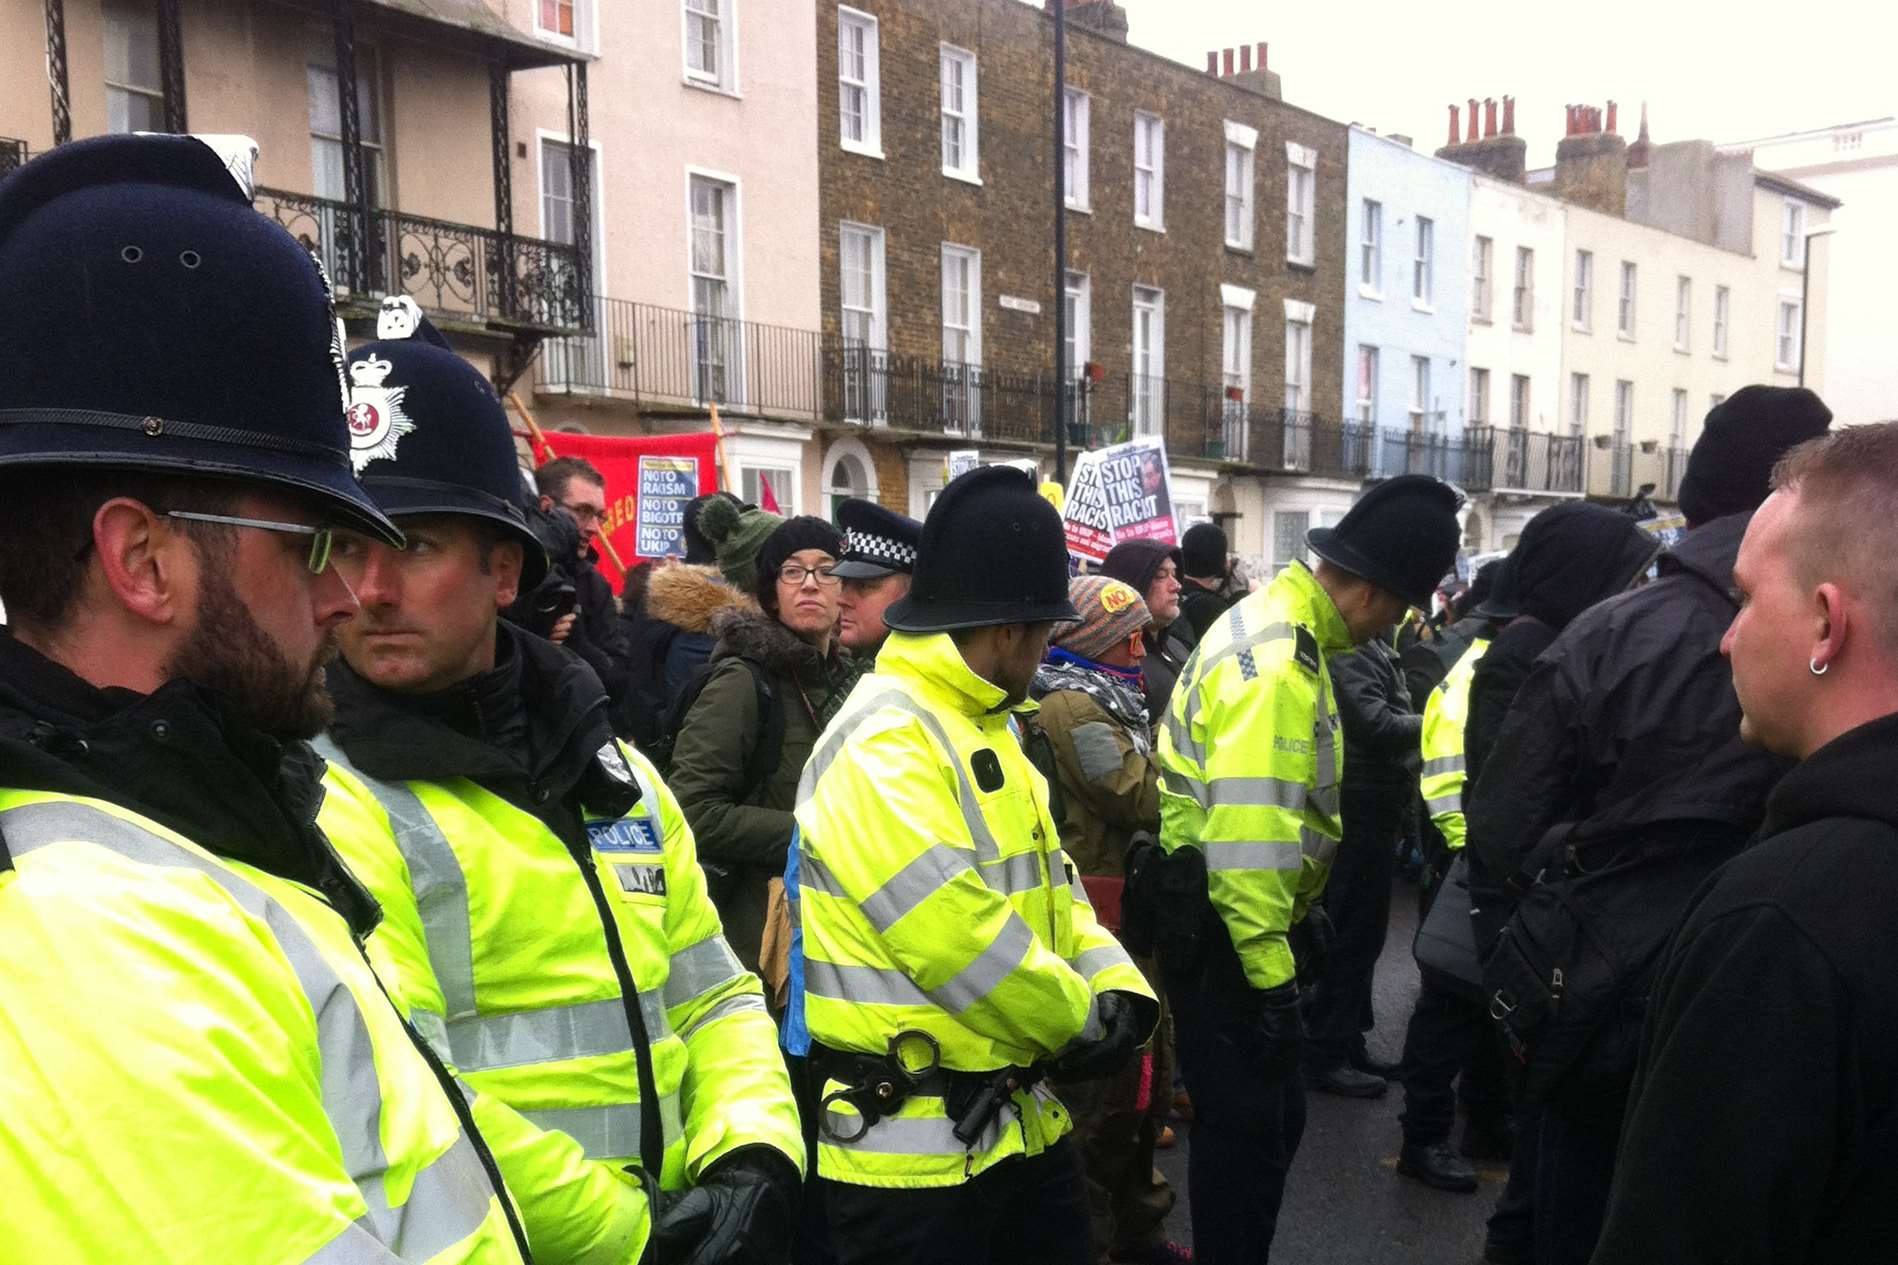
(745,736)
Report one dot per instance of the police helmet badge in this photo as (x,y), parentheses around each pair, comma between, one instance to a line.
(377,420)
(398,317)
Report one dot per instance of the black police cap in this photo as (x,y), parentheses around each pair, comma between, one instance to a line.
(877,541)
(150,319)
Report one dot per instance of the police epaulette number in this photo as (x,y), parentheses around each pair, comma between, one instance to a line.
(1305,649)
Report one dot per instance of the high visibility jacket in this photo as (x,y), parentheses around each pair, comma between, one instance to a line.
(1444,771)
(500,943)
(200,1066)
(934,897)
(1250,765)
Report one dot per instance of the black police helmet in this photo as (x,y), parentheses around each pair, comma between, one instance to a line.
(429,436)
(1401,535)
(151,320)
(993,552)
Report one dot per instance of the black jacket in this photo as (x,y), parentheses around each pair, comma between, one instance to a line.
(1629,718)
(1764,1120)
(182,756)
(1168,649)
(526,731)
(1381,732)
(1199,608)
(1427,662)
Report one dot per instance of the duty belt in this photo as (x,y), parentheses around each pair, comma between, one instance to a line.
(876,1085)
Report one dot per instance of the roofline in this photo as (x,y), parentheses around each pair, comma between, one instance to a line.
(1785,184)
(1811,131)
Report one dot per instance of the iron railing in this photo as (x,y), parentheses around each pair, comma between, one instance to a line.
(671,357)
(1461,459)
(1523,460)
(455,270)
(13,153)
(1676,471)
(871,387)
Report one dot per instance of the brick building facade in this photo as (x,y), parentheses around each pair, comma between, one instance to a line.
(888,207)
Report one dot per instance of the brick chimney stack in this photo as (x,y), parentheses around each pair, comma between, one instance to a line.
(1591,162)
(1240,67)
(1486,147)
(1103,17)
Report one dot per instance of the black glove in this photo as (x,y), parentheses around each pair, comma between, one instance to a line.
(1127,1020)
(742,1212)
(1279,1029)
(1311,938)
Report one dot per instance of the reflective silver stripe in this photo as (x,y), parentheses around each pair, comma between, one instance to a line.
(1257,792)
(1328,801)
(1241,642)
(1092,962)
(1444,764)
(912,885)
(1013,875)
(1182,734)
(814,876)
(483,1043)
(451,1195)
(913,1135)
(1318,846)
(354,1246)
(1186,786)
(1452,803)
(607,1133)
(435,876)
(1077,888)
(861,985)
(697,969)
(433,1029)
(1221,855)
(974,982)
(733,1005)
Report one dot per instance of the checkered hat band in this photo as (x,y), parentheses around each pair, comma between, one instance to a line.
(869,547)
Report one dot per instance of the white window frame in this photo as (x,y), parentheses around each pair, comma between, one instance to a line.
(965,118)
(1519,401)
(1683,312)
(1792,233)
(1479,396)
(1522,305)
(1482,282)
(1624,409)
(726,77)
(1625,295)
(1077,291)
(877,311)
(553,35)
(1241,180)
(1578,404)
(1367,384)
(1298,386)
(753,470)
(1235,351)
(1786,334)
(1301,203)
(1421,392)
(369,89)
(870,85)
(971,317)
(1582,306)
(1148,361)
(1074,140)
(1423,281)
(1722,319)
(1677,434)
(733,262)
(1150,175)
(1371,249)
(145,16)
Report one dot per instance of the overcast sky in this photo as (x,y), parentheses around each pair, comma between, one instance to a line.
(1396,64)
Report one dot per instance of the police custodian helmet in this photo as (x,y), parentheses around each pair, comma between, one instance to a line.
(151,319)
(993,552)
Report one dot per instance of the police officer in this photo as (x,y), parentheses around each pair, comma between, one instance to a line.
(200,1064)
(1250,765)
(544,909)
(878,561)
(950,955)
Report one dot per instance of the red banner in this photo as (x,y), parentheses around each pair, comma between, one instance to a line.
(648,482)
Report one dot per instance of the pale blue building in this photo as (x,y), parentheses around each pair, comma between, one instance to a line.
(1409,279)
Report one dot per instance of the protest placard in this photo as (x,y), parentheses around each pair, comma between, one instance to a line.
(1119,493)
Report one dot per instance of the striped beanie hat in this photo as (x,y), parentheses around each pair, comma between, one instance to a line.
(1111,612)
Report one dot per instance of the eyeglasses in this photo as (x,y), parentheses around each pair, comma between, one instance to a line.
(584,514)
(793,573)
(321,538)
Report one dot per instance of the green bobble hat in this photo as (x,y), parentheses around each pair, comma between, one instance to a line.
(737,534)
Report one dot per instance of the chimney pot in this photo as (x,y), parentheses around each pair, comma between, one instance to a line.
(1509,116)
(1611,116)
(1261,47)
(1225,58)
(1245,59)
(1489,117)
(1471,135)
(1212,61)
(1454,137)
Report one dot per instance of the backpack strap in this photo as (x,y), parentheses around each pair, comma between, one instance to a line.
(762,761)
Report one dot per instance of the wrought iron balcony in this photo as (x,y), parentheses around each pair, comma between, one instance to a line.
(13,153)
(1522,460)
(945,397)
(458,271)
(1610,468)
(1459,459)
(669,358)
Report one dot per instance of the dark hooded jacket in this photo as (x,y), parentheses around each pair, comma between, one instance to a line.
(1622,747)
(745,832)
(1763,1125)
(1381,728)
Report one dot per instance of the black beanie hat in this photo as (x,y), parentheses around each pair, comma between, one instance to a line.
(806,531)
(994,552)
(1203,552)
(1731,467)
(1136,562)
(1401,535)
